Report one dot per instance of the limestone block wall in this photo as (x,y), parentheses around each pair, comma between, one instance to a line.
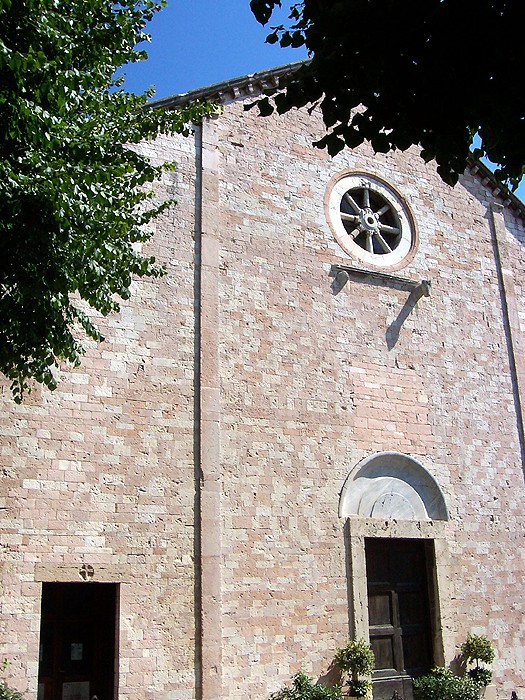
(101,472)
(313,380)
(197,457)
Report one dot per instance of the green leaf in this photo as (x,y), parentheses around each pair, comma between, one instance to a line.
(73,196)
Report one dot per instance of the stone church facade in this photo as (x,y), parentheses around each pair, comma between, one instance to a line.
(311,428)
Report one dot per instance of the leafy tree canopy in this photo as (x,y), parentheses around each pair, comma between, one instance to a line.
(432,73)
(73,201)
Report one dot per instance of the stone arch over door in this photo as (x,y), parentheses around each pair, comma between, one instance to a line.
(389,499)
(392,485)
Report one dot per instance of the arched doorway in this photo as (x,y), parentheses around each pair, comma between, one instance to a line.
(396,519)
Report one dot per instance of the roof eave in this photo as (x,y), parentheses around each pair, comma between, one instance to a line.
(231,90)
(255,84)
(497,189)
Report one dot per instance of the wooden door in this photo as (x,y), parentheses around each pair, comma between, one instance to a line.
(398,611)
(77,641)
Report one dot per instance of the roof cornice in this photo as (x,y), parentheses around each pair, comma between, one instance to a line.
(255,84)
(497,189)
(231,90)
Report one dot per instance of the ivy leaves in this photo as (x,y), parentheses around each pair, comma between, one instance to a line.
(74,196)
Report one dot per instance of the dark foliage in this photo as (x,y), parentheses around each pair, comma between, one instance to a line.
(432,73)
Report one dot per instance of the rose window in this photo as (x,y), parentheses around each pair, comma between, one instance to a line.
(370,221)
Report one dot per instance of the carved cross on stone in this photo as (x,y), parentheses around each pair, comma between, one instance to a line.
(86,572)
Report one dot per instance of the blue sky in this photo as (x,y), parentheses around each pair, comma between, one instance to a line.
(200,42)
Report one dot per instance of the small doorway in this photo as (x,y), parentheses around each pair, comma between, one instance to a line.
(78,634)
(399,604)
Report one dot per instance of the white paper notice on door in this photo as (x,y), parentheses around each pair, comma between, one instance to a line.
(78,690)
(77,651)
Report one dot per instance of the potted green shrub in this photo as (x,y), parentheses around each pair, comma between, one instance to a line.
(442,684)
(303,688)
(356,659)
(478,649)
(7,693)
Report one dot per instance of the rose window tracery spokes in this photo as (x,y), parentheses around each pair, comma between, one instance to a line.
(370,220)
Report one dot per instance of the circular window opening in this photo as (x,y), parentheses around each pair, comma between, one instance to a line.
(370,221)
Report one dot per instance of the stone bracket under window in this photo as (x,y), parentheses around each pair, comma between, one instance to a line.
(343,273)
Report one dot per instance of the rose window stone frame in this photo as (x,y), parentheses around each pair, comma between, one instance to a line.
(371,221)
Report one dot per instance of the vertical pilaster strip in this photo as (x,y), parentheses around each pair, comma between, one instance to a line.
(357,584)
(511,318)
(209,419)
